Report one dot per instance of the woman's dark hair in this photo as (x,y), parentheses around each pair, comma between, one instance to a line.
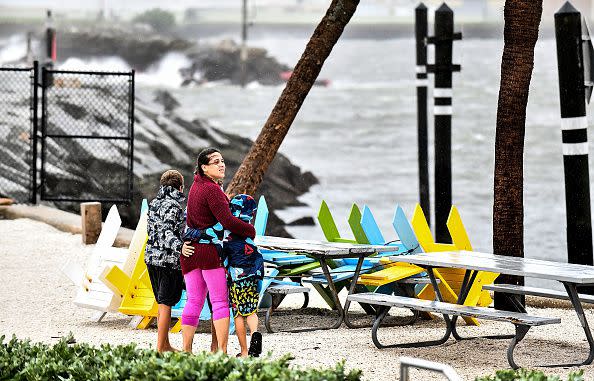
(203,159)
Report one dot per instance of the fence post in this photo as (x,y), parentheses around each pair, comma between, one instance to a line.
(574,123)
(442,111)
(132,99)
(43,130)
(34,106)
(422,135)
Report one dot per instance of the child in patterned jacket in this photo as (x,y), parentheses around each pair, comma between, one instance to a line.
(245,267)
(163,248)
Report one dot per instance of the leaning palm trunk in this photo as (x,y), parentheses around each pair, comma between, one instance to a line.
(522,19)
(251,171)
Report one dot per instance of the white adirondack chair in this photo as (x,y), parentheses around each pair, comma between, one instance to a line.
(91,292)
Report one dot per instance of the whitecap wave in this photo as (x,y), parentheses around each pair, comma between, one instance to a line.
(109,64)
(166,72)
(13,49)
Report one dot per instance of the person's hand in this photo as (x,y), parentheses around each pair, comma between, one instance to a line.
(187,249)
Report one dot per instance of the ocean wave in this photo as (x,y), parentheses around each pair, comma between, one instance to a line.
(166,72)
(109,63)
(13,48)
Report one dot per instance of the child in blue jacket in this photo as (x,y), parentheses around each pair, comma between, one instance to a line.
(245,267)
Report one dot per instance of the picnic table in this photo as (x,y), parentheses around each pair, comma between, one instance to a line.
(570,275)
(323,251)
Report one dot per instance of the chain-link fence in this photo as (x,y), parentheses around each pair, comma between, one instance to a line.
(18,114)
(87,136)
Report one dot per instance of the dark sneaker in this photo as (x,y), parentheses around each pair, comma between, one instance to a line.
(255,345)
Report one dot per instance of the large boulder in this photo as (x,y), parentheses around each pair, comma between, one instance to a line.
(221,61)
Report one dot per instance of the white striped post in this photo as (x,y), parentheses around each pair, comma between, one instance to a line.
(442,112)
(574,123)
(422,82)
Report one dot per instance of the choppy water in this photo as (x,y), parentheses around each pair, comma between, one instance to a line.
(359,135)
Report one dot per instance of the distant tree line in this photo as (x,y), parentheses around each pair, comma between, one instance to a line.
(158,19)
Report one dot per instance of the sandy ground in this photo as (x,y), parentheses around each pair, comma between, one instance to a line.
(37,304)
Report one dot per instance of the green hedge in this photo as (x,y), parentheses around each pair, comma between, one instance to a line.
(529,375)
(23,360)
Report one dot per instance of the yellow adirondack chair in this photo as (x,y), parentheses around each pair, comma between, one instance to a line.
(462,242)
(132,281)
(451,279)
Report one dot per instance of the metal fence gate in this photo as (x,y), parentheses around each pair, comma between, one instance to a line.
(86,135)
(18,130)
(87,130)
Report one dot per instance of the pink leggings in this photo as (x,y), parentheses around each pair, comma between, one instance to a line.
(198,283)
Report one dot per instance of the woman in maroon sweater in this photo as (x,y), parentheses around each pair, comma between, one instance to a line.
(203,271)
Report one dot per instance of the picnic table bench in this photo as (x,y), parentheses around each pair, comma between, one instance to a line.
(515,289)
(570,275)
(522,321)
(278,291)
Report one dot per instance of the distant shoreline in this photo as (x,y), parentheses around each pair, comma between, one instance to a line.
(377,31)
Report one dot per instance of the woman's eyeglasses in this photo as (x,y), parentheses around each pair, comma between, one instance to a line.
(218,162)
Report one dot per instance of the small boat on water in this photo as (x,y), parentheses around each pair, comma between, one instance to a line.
(285,75)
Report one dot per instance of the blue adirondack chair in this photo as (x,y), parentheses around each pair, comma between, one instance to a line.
(278,258)
(144,206)
(373,232)
(385,280)
(407,244)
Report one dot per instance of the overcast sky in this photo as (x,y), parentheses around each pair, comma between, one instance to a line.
(140,4)
(183,4)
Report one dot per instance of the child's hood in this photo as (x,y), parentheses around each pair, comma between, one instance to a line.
(167,191)
(243,206)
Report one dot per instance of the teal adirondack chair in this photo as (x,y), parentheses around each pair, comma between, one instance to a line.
(385,280)
(284,262)
(407,243)
(278,258)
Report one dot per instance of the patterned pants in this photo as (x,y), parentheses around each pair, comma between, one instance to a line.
(243,296)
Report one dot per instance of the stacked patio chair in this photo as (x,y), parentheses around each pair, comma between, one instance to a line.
(92,291)
(451,279)
(280,265)
(344,270)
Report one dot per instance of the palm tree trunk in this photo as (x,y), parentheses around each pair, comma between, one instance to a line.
(251,171)
(522,19)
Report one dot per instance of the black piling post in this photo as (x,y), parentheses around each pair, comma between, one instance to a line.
(50,48)
(572,94)
(422,81)
(442,111)
(243,53)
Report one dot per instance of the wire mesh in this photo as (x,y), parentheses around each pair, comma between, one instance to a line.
(87,129)
(16,133)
